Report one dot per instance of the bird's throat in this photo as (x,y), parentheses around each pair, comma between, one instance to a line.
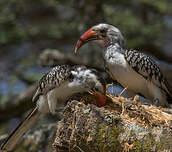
(107,44)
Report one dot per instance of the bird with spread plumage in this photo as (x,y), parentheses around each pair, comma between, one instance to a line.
(132,69)
(53,91)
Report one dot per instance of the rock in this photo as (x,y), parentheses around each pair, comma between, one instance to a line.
(52,57)
(89,128)
(38,139)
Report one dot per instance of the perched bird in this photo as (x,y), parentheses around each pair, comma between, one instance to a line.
(53,90)
(132,69)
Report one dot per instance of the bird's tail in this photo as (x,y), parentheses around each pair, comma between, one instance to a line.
(22,128)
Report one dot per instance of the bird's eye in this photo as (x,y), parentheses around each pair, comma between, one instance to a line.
(71,77)
(96,89)
(102,31)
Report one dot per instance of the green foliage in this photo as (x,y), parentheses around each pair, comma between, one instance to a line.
(141,21)
(138,20)
(11,31)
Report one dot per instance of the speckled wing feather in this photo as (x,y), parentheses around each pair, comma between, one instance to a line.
(146,67)
(54,78)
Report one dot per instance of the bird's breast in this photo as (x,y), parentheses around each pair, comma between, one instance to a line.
(65,90)
(120,70)
(116,63)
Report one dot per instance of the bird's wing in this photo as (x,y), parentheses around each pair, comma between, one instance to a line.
(146,67)
(54,78)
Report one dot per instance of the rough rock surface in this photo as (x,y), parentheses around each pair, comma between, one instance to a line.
(38,139)
(89,128)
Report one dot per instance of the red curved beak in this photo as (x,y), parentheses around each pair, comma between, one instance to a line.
(100,99)
(87,36)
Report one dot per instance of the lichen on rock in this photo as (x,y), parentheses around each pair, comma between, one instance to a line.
(89,128)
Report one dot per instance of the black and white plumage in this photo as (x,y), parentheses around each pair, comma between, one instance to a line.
(132,69)
(53,90)
(146,67)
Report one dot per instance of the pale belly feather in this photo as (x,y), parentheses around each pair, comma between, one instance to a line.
(58,97)
(126,76)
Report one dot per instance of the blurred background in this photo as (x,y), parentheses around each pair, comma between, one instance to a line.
(37,34)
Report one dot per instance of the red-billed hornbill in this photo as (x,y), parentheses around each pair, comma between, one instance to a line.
(133,70)
(54,89)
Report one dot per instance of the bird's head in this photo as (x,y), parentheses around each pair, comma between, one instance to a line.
(90,80)
(104,32)
(98,89)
